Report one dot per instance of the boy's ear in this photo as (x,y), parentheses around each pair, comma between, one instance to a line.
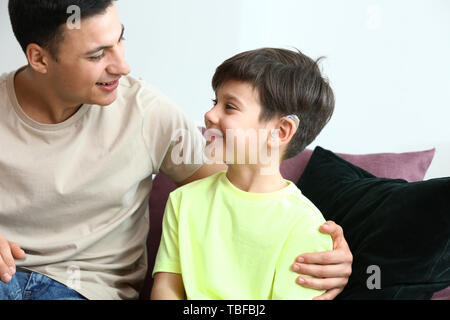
(283,133)
(37,58)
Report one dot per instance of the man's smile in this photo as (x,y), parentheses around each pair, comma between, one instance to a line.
(108,86)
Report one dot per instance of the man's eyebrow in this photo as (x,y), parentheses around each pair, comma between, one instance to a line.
(105,47)
(121,35)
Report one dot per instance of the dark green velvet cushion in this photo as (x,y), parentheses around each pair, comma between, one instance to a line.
(402,228)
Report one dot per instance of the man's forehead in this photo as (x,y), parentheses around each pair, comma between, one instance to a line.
(98,30)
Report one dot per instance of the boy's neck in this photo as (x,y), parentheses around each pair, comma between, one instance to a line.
(252,178)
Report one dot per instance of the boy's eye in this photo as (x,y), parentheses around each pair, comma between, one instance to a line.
(227,106)
(96,58)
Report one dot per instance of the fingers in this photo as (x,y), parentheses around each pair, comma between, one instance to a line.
(327,270)
(337,256)
(323,271)
(331,228)
(16,251)
(329,295)
(324,277)
(341,252)
(335,231)
(8,251)
(322,284)
(7,265)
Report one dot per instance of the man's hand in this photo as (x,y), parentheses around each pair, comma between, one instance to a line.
(8,252)
(331,269)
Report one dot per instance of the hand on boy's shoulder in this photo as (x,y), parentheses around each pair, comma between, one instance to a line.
(330,270)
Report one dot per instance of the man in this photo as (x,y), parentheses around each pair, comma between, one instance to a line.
(83,140)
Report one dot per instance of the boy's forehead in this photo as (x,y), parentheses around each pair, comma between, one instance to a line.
(237,89)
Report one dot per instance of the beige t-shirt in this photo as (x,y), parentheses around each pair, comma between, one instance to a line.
(74,195)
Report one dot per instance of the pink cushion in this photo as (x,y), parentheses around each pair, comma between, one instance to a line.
(442,295)
(162,187)
(411,166)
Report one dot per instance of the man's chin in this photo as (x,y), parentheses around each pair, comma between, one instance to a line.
(104,102)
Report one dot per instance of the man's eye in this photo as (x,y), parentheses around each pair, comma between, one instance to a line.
(96,58)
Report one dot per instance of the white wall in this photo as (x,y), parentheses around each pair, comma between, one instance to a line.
(387,61)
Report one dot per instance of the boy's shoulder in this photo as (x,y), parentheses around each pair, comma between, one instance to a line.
(197,186)
(302,207)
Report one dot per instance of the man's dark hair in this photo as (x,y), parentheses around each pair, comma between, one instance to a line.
(41,21)
(288,83)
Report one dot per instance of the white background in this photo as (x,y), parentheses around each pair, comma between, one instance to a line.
(388,61)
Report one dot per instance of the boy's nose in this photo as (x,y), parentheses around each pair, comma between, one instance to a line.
(210,118)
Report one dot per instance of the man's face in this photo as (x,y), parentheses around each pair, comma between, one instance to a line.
(90,61)
(235,117)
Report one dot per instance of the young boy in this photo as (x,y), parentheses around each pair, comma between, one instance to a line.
(233,235)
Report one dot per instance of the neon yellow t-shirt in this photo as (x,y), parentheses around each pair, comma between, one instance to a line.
(230,244)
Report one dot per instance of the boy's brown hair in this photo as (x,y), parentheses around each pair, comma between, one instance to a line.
(288,83)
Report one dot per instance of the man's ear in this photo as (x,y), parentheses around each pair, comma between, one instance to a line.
(37,58)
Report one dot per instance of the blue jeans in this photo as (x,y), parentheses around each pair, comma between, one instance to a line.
(35,286)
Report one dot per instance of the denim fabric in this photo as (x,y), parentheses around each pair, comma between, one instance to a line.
(35,286)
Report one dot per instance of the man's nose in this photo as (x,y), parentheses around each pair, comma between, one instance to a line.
(119,65)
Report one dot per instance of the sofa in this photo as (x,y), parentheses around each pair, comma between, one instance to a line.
(399,171)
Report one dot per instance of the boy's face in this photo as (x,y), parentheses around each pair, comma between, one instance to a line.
(88,58)
(235,119)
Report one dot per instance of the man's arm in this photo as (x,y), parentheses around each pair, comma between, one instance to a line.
(167,286)
(205,171)
(330,269)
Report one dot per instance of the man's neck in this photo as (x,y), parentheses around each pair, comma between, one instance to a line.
(38,101)
(252,178)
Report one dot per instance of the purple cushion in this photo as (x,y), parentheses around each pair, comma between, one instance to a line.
(410,166)
(442,295)
(162,187)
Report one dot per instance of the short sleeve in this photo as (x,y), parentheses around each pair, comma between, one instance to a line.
(304,237)
(168,257)
(174,142)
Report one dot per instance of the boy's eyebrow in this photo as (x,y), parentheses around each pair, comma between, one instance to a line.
(105,47)
(231,97)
